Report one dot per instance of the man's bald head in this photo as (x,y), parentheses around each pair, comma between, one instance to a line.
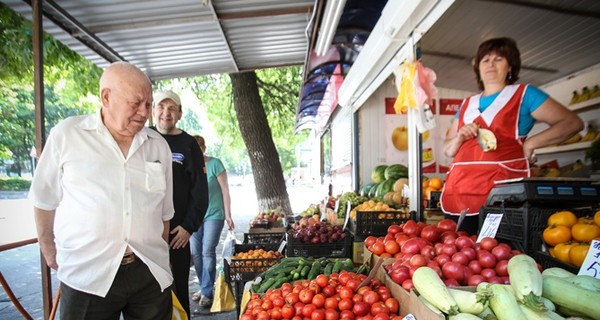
(126,95)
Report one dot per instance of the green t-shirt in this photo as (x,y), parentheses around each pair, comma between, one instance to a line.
(216,209)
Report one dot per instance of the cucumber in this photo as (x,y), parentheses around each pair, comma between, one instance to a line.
(304,272)
(314,270)
(266,285)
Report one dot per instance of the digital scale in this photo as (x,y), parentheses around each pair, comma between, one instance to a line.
(544,190)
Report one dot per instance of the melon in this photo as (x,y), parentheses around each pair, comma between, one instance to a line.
(378,173)
(396,171)
(399,184)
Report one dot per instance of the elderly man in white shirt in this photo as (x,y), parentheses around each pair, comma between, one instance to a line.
(103,198)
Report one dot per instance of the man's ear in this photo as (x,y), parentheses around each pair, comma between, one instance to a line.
(104,96)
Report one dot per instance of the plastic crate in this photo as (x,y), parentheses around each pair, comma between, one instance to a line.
(522,227)
(375,223)
(247,269)
(238,290)
(547,261)
(339,249)
(264,238)
(434,200)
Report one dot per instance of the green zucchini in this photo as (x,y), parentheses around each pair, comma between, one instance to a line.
(504,303)
(565,294)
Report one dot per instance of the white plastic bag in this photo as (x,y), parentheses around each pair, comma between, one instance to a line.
(229,245)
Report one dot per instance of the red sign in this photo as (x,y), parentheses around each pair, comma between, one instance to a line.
(449,106)
(389,106)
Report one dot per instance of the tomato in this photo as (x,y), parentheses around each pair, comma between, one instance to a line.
(393,229)
(561,251)
(475,266)
(322,280)
(453,270)
(392,247)
(267,304)
(463,242)
(407,284)
(371,297)
(306,296)
(378,307)
(288,312)
(578,252)
(318,300)
(414,245)
(469,252)
(292,298)
(586,220)
(318,314)
(488,243)
(384,292)
(345,304)
(410,228)
(328,291)
(275,313)
(347,314)
(585,231)
(247,316)
(488,272)
(377,248)
(393,305)
(486,259)
(475,279)
(308,309)
(461,258)
(447,225)
(597,218)
(502,268)
(428,252)
(556,234)
(361,308)
(369,241)
(562,218)
(502,252)
(278,301)
(331,314)
(431,233)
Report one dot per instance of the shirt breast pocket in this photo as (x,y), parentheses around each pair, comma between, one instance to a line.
(155,177)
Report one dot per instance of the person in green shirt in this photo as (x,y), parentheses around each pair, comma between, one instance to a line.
(204,241)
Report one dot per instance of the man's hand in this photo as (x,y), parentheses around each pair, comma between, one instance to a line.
(180,239)
(230,223)
(49,252)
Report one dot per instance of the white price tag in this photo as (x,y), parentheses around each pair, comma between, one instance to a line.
(591,264)
(347,217)
(282,246)
(490,226)
(409,317)
(337,205)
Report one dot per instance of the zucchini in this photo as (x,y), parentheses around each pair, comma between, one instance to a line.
(433,289)
(546,315)
(564,293)
(572,313)
(549,304)
(487,314)
(470,302)
(464,316)
(504,304)
(431,307)
(586,282)
(304,272)
(558,272)
(526,281)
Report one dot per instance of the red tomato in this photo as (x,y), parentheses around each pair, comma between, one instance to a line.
(371,297)
(378,307)
(502,251)
(475,279)
(288,312)
(470,253)
(347,314)
(453,270)
(361,308)
(306,296)
(475,266)
(393,305)
(463,242)
(417,260)
(502,268)
(488,243)
(488,273)
(394,229)
(447,225)
(318,314)
(331,303)
(407,284)
(486,259)
(275,313)
(308,309)
(430,233)
(331,314)
(345,304)
(292,298)
(410,228)
(460,258)
(318,300)
(322,280)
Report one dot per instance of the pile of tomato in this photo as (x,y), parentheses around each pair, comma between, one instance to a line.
(454,255)
(569,237)
(333,297)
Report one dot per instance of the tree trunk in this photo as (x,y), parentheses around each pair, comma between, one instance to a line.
(271,191)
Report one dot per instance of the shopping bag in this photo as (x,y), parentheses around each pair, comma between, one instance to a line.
(229,245)
(178,312)
(223,299)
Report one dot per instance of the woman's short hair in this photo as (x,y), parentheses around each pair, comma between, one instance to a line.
(504,47)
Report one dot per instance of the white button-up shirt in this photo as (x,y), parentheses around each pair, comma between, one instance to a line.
(104,202)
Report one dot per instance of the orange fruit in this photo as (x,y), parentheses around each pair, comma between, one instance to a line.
(436,183)
(425,183)
(427,192)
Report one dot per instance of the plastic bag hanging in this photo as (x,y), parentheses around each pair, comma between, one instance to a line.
(229,245)
(405,78)
(416,93)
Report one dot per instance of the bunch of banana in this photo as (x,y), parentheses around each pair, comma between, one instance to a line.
(573,139)
(592,134)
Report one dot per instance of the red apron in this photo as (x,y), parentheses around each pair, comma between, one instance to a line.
(472,173)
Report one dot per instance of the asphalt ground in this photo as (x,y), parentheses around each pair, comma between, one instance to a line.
(21,266)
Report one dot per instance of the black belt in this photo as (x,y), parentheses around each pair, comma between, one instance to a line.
(128,258)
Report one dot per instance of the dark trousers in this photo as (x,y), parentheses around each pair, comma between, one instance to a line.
(135,293)
(180,267)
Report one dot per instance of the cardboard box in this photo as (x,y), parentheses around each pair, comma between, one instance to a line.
(409,301)
(358,250)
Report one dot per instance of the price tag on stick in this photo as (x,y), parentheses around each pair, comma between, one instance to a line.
(591,263)
(490,226)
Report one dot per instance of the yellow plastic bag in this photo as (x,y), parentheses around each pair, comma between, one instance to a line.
(178,312)
(223,299)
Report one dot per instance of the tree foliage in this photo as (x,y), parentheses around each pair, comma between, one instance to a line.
(70,87)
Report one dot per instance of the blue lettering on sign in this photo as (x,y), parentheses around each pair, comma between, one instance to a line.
(597,245)
(178,157)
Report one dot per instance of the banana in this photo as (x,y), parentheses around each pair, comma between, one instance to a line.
(578,165)
(595,92)
(591,133)
(585,94)
(575,98)
(573,139)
